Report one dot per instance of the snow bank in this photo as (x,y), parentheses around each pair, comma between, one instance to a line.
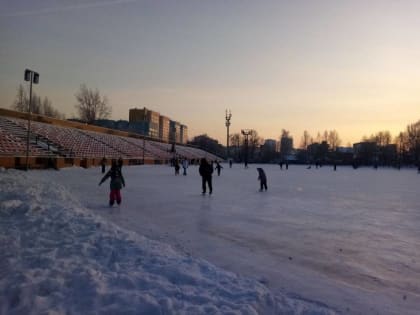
(57,257)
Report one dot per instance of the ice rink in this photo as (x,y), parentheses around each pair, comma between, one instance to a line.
(347,240)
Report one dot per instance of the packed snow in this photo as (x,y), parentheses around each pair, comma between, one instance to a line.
(317,242)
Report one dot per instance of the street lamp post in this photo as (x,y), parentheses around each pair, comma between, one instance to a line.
(246,133)
(228,116)
(32,77)
(144,146)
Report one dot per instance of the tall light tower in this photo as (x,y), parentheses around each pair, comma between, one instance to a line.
(32,77)
(228,116)
(246,133)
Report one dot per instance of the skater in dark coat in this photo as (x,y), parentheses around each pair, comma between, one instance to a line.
(218,168)
(206,171)
(117,181)
(103,164)
(176,166)
(262,178)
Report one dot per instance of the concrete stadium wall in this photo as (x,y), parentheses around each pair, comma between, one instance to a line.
(19,162)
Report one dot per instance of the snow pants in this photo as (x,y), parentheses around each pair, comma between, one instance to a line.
(263,184)
(114,195)
(207,180)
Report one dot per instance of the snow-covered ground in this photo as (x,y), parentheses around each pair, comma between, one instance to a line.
(317,242)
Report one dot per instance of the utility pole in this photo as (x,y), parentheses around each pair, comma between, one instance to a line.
(228,116)
(246,133)
(32,77)
(144,146)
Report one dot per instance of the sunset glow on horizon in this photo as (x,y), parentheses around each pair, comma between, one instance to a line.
(349,66)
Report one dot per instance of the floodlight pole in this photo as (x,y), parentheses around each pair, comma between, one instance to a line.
(228,116)
(144,146)
(246,133)
(32,77)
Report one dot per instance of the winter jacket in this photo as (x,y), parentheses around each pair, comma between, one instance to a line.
(261,175)
(117,179)
(205,170)
(185,163)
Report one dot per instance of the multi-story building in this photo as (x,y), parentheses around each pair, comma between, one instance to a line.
(365,153)
(164,124)
(174,131)
(152,124)
(184,134)
(145,120)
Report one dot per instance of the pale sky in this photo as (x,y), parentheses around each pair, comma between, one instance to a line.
(352,66)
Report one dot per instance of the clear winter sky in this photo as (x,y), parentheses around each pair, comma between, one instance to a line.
(353,66)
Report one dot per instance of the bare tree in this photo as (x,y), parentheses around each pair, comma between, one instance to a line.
(383,138)
(254,142)
(325,136)
(306,140)
(401,142)
(413,140)
(333,140)
(49,110)
(235,142)
(38,106)
(90,105)
(47,107)
(286,144)
(21,101)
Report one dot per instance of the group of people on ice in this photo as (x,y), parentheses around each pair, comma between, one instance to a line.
(185,163)
(205,170)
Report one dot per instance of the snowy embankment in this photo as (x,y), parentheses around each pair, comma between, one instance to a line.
(57,257)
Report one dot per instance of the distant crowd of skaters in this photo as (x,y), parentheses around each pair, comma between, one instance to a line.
(205,170)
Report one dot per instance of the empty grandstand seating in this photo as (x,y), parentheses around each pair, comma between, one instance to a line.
(63,141)
(13,140)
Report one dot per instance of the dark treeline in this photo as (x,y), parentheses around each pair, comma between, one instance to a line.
(380,149)
(208,144)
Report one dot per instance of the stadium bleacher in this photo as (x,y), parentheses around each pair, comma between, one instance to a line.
(67,142)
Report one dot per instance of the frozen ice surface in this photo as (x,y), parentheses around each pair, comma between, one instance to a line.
(316,242)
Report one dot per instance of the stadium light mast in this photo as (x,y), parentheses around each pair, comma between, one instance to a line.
(246,133)
(32,77)
(228,116)
(144,146)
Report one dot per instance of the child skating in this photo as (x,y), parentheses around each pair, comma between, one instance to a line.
(117,182)
(262,178)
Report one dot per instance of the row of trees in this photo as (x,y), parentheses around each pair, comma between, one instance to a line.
(260,150)
(330,137)
(323,148)
(408,143)
(90,104)
(39,105)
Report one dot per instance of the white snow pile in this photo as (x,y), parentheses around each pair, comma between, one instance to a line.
(57,257)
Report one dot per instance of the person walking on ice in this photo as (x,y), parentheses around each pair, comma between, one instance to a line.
(262,178)
(185,166)
(206,170)
(117,182)
(218,168)
(103,164)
